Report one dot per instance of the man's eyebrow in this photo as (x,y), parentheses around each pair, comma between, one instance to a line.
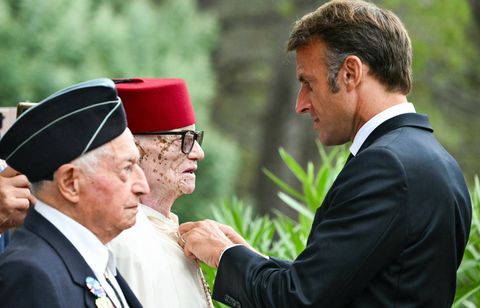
(134,159)
(131,159)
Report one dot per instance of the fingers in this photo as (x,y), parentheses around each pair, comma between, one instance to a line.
(32,200)
(186,251)
(181,240)
(12,198)
(9,172)
(226,229)
(187,226)
(15,198)
(18,180)
(204,240)
(190,255)
(19,203)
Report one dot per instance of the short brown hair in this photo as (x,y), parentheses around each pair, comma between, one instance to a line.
(355,27)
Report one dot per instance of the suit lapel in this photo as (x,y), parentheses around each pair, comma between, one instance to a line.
(74,262)
(76,265)
(407,119)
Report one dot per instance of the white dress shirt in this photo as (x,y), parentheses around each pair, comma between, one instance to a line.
(154,265)
(374,122)
(95,253)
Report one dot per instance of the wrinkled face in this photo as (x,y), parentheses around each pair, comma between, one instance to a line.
(168,170)
(332,113)
(110,195)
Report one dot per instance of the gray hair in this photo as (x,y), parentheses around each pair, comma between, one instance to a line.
(87,163)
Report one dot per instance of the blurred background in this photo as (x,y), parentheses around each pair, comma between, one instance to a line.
(241,80)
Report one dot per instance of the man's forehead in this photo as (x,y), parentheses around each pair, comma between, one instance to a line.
(123,148)
(309,58)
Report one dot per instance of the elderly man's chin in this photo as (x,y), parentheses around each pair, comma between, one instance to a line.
(130,216)
(187,184)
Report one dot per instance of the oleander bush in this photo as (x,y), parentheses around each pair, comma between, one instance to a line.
(284,237)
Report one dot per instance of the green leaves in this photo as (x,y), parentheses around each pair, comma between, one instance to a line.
(315,184)
(297,206)
(257,230)
(468,276)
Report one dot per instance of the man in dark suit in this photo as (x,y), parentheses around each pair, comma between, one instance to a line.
(392,229)
(80,157)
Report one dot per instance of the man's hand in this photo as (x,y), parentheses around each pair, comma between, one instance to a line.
(15,198)
(205,240)
(233,236)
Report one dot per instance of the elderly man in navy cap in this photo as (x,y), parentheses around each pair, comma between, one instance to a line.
(81,159)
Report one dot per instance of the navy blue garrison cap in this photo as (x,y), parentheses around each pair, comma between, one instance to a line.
(62,127)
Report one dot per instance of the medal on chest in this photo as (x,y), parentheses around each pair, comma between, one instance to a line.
(101,301)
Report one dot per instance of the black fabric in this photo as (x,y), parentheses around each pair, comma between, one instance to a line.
(60,140)
(41,268)
(390,232)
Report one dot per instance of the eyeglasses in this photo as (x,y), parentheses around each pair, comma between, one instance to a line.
(188,138)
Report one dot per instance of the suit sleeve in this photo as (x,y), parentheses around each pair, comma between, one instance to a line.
(24,286)
(361,230)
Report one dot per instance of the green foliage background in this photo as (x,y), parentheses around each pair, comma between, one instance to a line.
(49,44)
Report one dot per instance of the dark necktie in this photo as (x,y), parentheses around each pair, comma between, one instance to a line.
(114,290)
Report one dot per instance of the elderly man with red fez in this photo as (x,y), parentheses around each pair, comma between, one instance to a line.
(81,160)
(161,117)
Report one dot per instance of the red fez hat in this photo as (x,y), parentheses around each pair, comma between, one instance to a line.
(155,104)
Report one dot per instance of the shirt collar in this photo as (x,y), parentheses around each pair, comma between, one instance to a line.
(374,122)
(93,251)
(172,220)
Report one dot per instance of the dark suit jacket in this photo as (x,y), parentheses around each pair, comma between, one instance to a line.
(4,241)
(41,268)
(391,232)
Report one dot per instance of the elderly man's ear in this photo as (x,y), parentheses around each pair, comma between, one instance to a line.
(67,178)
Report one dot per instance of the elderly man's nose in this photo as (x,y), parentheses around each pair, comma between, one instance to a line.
(140,186)
(197,152)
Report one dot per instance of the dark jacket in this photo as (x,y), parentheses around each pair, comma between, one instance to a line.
(391,232)
(41,268)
